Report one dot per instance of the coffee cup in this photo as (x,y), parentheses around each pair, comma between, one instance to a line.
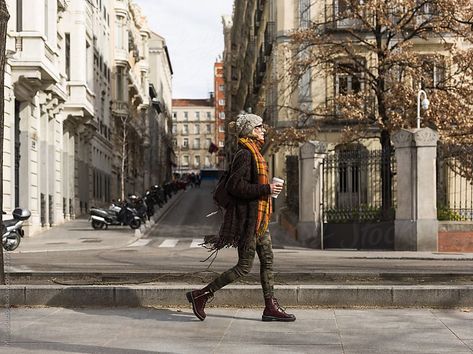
(276,180)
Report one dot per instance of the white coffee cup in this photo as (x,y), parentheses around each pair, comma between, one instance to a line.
(276,180)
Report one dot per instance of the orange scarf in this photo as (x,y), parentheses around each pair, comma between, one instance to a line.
(264,202)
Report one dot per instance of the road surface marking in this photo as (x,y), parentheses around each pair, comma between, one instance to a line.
(169,242)
(140,243)
(196,242)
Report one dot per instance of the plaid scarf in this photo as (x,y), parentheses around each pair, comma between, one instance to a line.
(264,202)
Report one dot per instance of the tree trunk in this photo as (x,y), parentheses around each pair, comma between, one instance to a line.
(4,16)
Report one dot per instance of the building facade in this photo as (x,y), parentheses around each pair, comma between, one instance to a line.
(194,133)
(219,89)
(75,71)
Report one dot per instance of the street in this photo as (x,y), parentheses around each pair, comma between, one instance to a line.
(172,246)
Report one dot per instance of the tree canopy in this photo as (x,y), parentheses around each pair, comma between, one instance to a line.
(373,56)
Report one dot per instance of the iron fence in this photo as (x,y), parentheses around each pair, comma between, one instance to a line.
(359,186)
(455,183)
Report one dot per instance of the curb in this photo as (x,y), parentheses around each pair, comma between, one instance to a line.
(344,296)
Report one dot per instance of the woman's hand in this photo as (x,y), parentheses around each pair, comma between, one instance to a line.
(276,188)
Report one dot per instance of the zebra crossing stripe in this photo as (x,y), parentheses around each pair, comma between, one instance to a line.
(169,243)
(196,242)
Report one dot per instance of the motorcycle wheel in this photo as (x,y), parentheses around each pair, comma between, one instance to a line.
(97,225)
(13,241)
(135,224)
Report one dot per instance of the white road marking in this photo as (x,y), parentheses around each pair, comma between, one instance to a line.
(196,242)
(140,243)
(169,242)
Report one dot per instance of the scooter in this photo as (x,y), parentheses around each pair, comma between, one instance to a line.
(12,229)
(116,215)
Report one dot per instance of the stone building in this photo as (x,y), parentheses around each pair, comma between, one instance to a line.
(194,133)
(161,154)
(74,69)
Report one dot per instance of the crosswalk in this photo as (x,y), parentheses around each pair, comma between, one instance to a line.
(169,243)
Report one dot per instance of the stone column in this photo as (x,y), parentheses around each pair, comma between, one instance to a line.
(416,224)
(309,227)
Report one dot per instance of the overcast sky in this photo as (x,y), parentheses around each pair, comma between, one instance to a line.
(194,35)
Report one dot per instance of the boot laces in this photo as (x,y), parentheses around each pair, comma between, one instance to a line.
(279,307)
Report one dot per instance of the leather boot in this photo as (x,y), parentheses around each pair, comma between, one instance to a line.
(198,299)
(274,312)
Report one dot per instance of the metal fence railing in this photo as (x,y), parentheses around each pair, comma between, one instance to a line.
(359,186)
(455,183)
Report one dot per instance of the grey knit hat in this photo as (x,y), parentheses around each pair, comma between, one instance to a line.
(246,122)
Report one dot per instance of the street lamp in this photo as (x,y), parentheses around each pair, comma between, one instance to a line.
(425,104)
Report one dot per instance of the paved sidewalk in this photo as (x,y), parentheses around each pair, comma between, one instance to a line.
(78,234)
(233,330)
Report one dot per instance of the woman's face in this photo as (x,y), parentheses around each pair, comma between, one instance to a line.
(258,132)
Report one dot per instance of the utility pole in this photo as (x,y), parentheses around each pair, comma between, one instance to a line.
(4,16)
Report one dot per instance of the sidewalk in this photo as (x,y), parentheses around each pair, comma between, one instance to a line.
(78,234)
(233,330)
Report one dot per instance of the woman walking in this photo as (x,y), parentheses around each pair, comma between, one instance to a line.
(246,220)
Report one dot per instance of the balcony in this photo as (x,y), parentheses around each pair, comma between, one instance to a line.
(337,19)
(34,57)
(81,100)
(120,108)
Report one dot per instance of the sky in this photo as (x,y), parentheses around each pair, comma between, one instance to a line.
(193,32)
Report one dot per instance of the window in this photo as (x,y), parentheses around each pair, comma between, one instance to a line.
(207,143)
(221,115)
(433,74)
(347,79)
(304,13)
(221,102)
(185,129)
(197,129)
(221,87)
(209,115)
(197,161)
(19,15)
(208,129)
(46,18)
(220,143)
(197,115)
(174,128)
(174,115)
(185,143)
(221,129)
(185,160)
(186,115)
(197,143)
(68,55)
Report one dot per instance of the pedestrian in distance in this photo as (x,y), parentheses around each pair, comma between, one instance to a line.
(246,220)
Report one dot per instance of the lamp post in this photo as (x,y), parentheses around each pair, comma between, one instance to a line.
(425,104)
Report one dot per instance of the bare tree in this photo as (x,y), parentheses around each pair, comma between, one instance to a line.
(4,16)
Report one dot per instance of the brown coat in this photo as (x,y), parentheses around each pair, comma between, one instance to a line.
(239,221)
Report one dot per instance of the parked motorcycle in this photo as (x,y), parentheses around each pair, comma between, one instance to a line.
(117,215)
(12,229)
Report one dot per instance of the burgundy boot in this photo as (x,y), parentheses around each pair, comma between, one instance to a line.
(198,299)
(274,312)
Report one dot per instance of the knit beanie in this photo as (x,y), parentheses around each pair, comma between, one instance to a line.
(246,122)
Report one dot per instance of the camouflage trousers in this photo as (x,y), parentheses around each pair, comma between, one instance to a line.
(246,255)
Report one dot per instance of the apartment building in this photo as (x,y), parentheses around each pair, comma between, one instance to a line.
(161,154)
(257,67)
(77,73)
(219,89)
(193,127)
